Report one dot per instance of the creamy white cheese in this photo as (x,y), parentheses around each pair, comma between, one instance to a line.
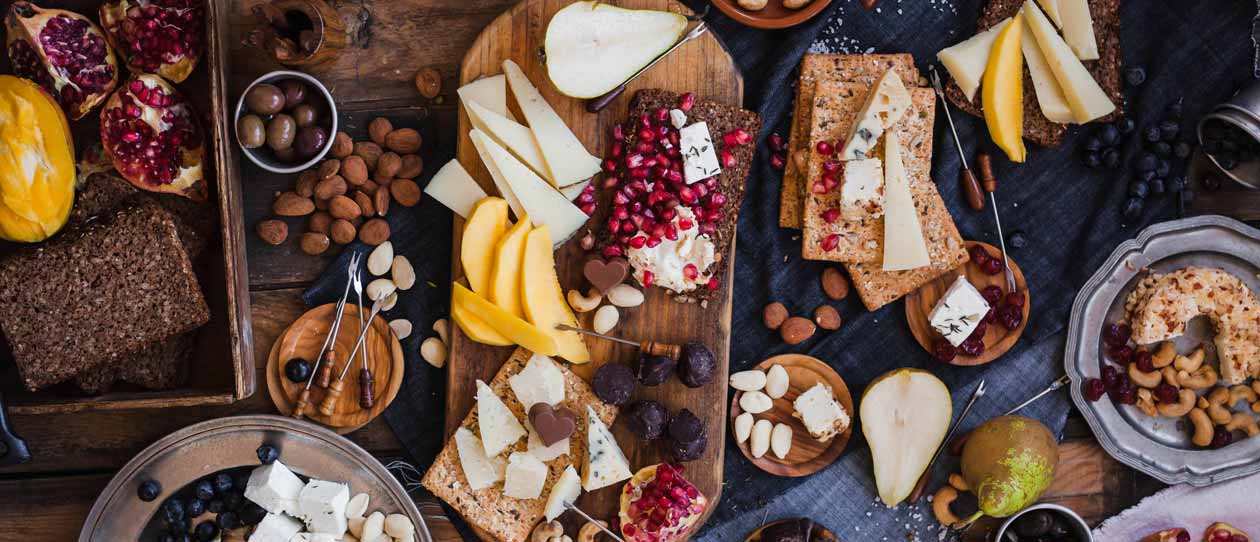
(959,311)
(667,261)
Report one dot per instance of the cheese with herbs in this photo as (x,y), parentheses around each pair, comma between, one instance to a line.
(885,105)
(959,311)
(699,157)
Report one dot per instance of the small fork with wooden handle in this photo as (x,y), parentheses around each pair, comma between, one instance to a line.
(326,358)
(329,403)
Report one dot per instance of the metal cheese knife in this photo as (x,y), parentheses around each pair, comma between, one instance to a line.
(594,105)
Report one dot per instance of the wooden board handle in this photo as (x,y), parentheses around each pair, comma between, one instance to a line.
(329,404)
(653,348)
(324,377)
(366,382)
(303,401)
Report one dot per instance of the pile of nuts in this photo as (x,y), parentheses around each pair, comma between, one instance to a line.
(760,389)
(606,317)
(348,195)
(797,329)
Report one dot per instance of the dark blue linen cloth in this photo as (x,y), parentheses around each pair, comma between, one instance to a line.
(1196,52)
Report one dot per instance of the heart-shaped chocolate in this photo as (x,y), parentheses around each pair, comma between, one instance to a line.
(606,274)
(552,424)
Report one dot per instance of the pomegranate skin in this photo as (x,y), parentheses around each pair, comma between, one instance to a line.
(154,139)
(64,52)
(162,37)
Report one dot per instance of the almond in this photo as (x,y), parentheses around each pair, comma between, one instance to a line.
(342,231)
(314,243)
(330,187)
(796,330)
(342,146)
(273,231)
(380,200)
(388,165)
(344,208)
(378,129)
(306,182)
(405,191)
(291,204)
(320,222)
(412,167)
(369,186)
(834,284)
(354,170)
(376,231)
(365,203)
(329,167)
(774,314)
(827,318)
(403,141)
(429,82)
(369,152)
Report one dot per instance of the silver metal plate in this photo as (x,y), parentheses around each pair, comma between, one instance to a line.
(1160,447)
(195,451)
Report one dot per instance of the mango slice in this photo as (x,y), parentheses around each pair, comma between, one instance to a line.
(543,299)
(505,275)
(37,174)
(486,224)
(1002,91)
(514,329)
(477,329)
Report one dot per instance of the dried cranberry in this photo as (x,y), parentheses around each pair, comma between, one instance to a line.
(943,351)
(972,347)
(1116,334)
(1009,316)
(1238,537)
(1110,377)
(1221,437)
(1183,535)
(992,266)
(1124,393)
(978,332)
(1166,393)
(992,293)
(1120,354)
(1093,389)
(778,161)
(979,255)
(776,142)
(824,148)
(1143,360)
(1015,299)
(991,316)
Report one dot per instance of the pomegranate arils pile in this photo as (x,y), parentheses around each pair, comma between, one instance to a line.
(155,156)
(832,169)
(663,504)
(158,33)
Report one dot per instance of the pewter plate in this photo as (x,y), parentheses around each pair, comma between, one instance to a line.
(1160,447)
(195,451)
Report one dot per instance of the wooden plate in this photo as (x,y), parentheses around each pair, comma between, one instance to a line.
(807,455)
(997,339)
(818,533)
(303,338)
(774,15)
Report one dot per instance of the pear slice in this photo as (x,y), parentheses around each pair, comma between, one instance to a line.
(905,415)
(593,47)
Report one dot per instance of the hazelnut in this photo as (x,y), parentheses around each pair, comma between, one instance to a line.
(774,314)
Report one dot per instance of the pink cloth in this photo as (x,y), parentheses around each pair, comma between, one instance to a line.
(1236,502)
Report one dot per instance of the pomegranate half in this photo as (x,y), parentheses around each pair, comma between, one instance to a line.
(64,52)
(659,505)
(163,37)
(152,135)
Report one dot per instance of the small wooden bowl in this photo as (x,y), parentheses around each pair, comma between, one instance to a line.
(818,533)
(773,16)
(303,338)
(807,455)
(997,339)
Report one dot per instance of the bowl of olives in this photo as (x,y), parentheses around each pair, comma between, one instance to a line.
(1045,523)
(285,121)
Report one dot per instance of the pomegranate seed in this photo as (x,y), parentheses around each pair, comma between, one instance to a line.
(777,162)
(610,165)
(687,195)
(671,232)
(728,140)
(686,101)
(728,159)
(708,228)
(638,241)
(819,187)
(742,137)
(776,142)
(690,272)
(713,283)
(832,168)
(660,114)
(647,135)
(588,208)
(629,227)
(700,189)
(653,241)
(648,276)
(618,132)
(612,251)
(831,215)
(830,242)
(685,224)
(824,148)
(830,183)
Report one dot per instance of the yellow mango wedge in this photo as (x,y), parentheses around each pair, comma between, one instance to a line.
(477,329)
(505,276)
(543,298)
(486,224)
(514,329)
(1002,91)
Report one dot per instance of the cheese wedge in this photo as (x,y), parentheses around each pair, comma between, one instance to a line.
(1049,96)
(967,60)
(543,298)
(453,187)
(566,491)
(568,161)
(885,105)
(1078,28)
(542,202)
(605,463)
(904,246)
(479,140)
(1003,91)
(499,427)
(572,191)
(490,92)
(510,134)
(505,275)
(515,329)
(480,471)
(1052,11)
(524,477)
(1088,100)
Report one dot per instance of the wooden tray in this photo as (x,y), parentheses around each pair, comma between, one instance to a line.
(997,339)
(701,66)
(303,338)
(807,455)
(222,368)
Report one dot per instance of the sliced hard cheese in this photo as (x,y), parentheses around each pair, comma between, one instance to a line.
(512,135)
(476,328)
(480,141)
(525,476)
(1078,28)
(566,491)
(966,61)
(885,105)
(605,463)
(504,323)
(490,92)
(539,382)
(453,187)
(1049,96)
(504,289)
(572,191)
(904,247)
(566,158)
(1087,99)
(543,298)
(545,205)
(480,470)
(484,228)
(1052,10)
(499,427)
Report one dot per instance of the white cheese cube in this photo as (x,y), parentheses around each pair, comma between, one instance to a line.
(525,476)
(539,382)
(313,537)
(566,490)
(480,470)
(885,105)
(499,427)
(959,311)
(605,463)
(820,412)
(542,451)
(862,189)
(699,157)
(275,528)
(275,488)
(323,506)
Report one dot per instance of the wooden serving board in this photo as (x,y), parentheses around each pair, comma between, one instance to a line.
(701,66)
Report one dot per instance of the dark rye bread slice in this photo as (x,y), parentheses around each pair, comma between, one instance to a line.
(721,118)
(97,294)
(1106,70)
(162,366)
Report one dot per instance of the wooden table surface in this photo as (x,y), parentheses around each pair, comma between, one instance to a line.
(76,454)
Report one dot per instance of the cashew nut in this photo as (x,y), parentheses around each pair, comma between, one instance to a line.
(1190,363)
(1218,409)
(1185,402)
(1146,403)
(940,506)
(1203,429)
(1164,355)
(590,531)
(957,482)
(1242,393)
(1202,403)
(1170,376)
(1245,422)
(547,530)
(1204,378)
(585,304)
(1145,380)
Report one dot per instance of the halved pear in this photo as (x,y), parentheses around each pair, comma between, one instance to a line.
(593,47)
(905,415)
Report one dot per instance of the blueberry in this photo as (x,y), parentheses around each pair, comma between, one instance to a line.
(1126,125)
(173,510)
(215,506)
(1093,144)
(1176,184)
(1151,134)
(251,514)
(195,508)
(1111,158)
(268,454)
(1168,130)
(1145,162)
(1132,209)
(1092,160)
(227,520)
(223,482)
(1163,168)
(1174,110)
(1139,189)
(1162,149)
(232,500)
(1108,135)
(297,370)
(206,531)
(1211,183)
(1187,196)
(204,490)
(149,490)
(177,527)
(1157,186)
(1135,76)
(241,478)
(1017,240)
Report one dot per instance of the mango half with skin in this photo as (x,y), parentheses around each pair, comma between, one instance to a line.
(1008,462)
(37,174)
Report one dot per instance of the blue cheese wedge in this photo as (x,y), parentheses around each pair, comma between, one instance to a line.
(862,189)
(499,427)
(885,105)
(275,488)
(323,506)
(525,476)
(275,528)
(820,412)
(539,382)
(958,312)
(605,463)
(565,491)
(480,471)
(699,157)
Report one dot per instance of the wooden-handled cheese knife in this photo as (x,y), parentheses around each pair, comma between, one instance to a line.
(598,103)
(651,348)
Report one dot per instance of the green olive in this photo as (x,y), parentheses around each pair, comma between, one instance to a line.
(281,131)
(304,115)
(251,132)
(265,99)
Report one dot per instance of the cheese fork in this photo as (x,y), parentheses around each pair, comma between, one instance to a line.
(322,372)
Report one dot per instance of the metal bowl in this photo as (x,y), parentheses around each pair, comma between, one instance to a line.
(317,92)
(195,451)
(1160,447)
(1079,527)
